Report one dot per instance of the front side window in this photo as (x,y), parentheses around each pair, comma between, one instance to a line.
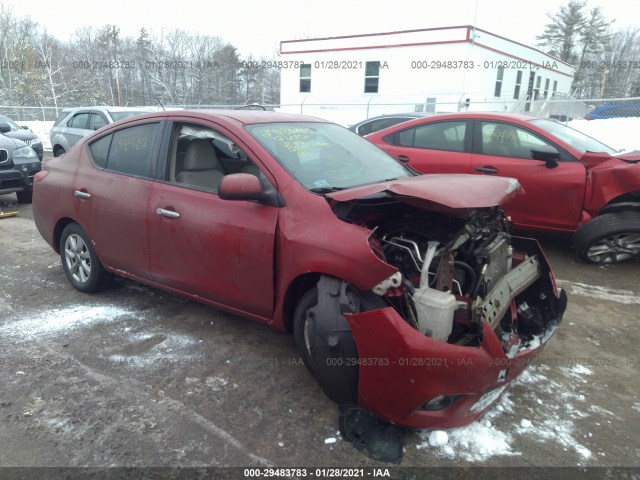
(504,140)
(128,151)
(325,157)
(305,78)
(96,121)
(371,77)
(201,157)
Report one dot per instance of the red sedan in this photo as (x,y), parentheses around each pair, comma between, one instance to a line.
(405,294)
(573,183)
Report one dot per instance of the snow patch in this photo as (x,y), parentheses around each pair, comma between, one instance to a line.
(62,319)
(627,297)
(619,133)
(42,129)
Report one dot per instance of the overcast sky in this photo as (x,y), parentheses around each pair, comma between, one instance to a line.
(257,26)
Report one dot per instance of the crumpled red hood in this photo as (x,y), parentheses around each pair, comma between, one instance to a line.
(453,191)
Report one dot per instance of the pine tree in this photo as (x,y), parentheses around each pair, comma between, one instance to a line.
(563,33)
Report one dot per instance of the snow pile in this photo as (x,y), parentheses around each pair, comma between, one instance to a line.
(618,133)
(42,129)
(476,442)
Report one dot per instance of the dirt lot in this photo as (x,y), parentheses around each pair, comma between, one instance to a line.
(137,377)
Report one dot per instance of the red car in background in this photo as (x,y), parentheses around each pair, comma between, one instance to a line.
(573,183)
(406,294)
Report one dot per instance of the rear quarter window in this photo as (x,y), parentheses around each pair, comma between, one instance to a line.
(128,151)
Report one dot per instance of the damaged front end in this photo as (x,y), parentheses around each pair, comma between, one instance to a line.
(469,306)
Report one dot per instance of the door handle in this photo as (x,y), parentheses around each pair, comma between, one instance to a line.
(403,159)
(167,213)
(489,170)
(81,194)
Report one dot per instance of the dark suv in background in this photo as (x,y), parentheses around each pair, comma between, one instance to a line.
(18,164)
(74,123)
(9,128)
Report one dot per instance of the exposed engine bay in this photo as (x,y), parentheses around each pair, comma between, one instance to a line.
(457,270)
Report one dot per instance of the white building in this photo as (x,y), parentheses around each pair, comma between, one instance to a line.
(349,78)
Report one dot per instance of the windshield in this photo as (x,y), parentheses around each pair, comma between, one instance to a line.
(14,126)
(578,140)
(325,156)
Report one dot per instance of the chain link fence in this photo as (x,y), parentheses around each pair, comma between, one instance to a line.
(560,107)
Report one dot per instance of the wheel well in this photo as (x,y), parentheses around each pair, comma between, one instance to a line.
(625,202)
(296,289)
(57,232)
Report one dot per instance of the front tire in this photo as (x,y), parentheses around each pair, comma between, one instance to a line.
(323,337)
(609,238)
(79,260)
(58,152)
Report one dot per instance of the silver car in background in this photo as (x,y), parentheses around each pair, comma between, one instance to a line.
(74,123)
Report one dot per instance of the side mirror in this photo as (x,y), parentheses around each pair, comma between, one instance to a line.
(547,154)
(244,186)
(25,127)
(240,186)
(4,127)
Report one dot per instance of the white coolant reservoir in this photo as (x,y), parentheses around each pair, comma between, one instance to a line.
(435,308)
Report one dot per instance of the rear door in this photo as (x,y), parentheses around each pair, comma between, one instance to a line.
(554,196)
(434,147)
(111,194)
(221,250)
(76,127)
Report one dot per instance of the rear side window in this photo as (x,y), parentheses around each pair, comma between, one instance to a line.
(448,136)
(128,151)
(60,118)
(100,149)
(78,121)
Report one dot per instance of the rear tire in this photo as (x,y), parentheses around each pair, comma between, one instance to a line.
(58,152)
(609,238)
(324,340)
(25,197)
(79,260)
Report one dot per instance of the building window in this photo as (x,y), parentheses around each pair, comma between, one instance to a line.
(516,91)
(546,88)
(536,91)
(555,87)
(305,78)
(498,89)
(371,77)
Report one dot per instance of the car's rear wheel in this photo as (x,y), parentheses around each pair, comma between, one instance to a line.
(79,260)
(323,337)
(24,197)
(58,151)
(609,238)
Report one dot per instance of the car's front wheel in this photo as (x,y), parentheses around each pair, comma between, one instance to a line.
(58,151)
(323,336)
(79,260)
(609,238)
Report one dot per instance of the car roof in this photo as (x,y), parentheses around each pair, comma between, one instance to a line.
(243,117)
